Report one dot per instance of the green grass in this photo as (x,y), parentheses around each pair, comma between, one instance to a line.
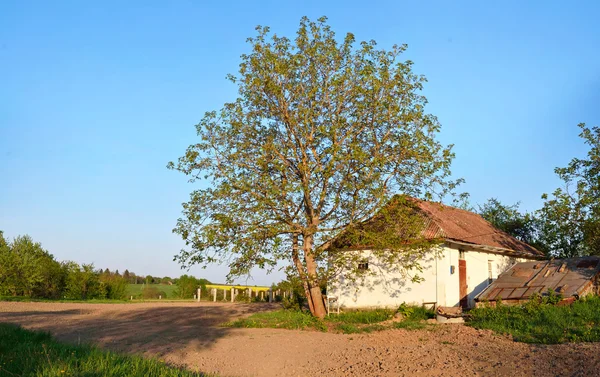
(30,299)
(29,353)
(136,289)
(536,322)
(353,322)
(280,319)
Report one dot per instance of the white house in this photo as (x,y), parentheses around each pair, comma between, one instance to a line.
(469,253)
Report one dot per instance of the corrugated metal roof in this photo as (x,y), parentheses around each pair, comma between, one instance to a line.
(439,221)
(461,225)
(570,277)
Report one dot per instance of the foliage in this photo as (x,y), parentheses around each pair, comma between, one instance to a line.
(151,292)
(293,284)
(187,286)
(114,286)
(322,134)
(82,282)
(26,269)
(415,313)
(571,215)
(508,218)
(539,321)
(28,353)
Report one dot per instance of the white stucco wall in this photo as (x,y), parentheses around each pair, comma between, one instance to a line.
(390,287)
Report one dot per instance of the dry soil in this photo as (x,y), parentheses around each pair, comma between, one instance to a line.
(189,334)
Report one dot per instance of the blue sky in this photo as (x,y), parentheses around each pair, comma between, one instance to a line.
(97,97)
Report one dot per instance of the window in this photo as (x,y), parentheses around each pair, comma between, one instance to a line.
(490,272)
(363,266)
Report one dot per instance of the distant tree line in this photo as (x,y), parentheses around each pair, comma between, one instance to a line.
(28,270)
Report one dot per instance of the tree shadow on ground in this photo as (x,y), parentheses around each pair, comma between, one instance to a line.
(154,329)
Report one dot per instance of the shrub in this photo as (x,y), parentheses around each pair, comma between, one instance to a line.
(150,293)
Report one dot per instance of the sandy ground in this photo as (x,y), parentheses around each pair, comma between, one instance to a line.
(189,334)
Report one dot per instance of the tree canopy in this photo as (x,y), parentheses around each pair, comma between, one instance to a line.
(571,214)
(323,133)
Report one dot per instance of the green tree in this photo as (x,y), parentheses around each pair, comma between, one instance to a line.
(187,286)
(322,135)
(570,217)
(26,269)
(82,282)
(508,218)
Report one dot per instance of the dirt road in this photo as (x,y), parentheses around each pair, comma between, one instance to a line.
(189,334)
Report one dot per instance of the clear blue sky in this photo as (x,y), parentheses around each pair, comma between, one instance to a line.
(97,97)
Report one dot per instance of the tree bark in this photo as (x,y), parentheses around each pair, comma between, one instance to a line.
(301,272)
(315,295)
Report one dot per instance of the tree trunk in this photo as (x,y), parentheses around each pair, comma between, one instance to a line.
(301,272)
(315,297)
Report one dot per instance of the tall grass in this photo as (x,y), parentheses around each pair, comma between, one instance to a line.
(537,322)
(29,353)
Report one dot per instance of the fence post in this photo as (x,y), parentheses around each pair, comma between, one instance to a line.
(270,295)
(214,292)
(232,294)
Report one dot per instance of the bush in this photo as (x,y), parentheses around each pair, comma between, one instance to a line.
(152,293)
(415,313)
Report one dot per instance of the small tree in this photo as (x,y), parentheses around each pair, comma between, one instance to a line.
(322,135)
(570,217)
(523,226)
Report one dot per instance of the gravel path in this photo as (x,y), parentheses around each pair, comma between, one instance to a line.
(188,334)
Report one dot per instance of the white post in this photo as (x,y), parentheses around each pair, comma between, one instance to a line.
(224,294)
(232,294)
(160,297)
(214,290)
(194,297)
(199,293)
(250,293)
(262,295)
(270,295)
(131,298)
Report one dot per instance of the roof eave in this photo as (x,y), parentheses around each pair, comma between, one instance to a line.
(495,250)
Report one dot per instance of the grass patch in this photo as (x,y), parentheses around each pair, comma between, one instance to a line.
(29,353)
(135,290)
(362,317)
(30,299)
(280,319)
(353,322)
(537,322)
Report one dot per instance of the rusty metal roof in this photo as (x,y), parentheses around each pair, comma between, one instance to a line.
(468,227)
(569,277)
(439,221)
